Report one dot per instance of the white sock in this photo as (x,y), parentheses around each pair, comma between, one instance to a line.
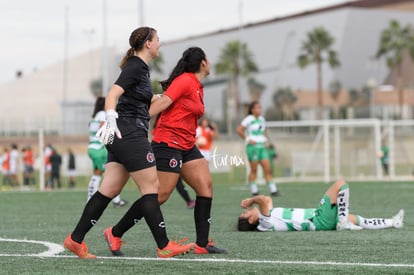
(253,188)
(272,187)
(374,223)
(93,185)
(117,199)
(342,202)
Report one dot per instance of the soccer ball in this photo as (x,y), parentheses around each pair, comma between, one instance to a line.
(201,141)
(380,154)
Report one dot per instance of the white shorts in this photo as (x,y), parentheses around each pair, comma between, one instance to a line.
(72,173)
(206,154)
(13,168)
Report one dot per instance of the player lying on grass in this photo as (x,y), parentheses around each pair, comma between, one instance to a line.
(332,213)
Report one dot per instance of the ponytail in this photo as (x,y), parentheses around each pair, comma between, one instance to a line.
(128,54)
(190,62)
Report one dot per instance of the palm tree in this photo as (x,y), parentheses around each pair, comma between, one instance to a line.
(335,88)
(317,49)
(155,66)
(283,105)
(235,60)
(395,42)
(96,87)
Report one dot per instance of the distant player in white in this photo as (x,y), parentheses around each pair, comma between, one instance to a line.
(331,214)
(97,151)
(14,163)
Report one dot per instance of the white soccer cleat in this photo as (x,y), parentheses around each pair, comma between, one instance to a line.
(398,219)
(342,226)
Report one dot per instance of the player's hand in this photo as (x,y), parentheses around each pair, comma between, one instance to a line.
(246,203)
(108,131)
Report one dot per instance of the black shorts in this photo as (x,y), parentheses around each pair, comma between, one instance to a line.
(171,159)
(133,150)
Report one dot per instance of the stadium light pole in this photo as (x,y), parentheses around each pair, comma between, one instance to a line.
(104,48)
(65,56)
(141,13)
(89,33)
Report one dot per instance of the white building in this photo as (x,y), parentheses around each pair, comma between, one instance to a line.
(41,99)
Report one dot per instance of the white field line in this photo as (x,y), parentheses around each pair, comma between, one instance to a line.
(54,249)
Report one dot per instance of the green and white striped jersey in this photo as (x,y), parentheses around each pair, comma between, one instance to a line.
(254,128)
(94,125)
(287,219)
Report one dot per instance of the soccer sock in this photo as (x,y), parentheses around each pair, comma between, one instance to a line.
(342,202)
(117,199)
(181,189)
(272,186)
(374,223)
(202,219)
(150,208)
(253,187)
(91,213)
(131,217)
(93,185)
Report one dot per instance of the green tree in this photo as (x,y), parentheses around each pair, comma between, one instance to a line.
(283,105)
(96,87)
(335,88)
(395,42)
(235,60)
(317,49)
(156,66)
(255,88)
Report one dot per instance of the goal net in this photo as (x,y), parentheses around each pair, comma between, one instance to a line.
(350,149)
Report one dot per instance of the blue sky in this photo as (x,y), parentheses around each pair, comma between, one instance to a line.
(32,32)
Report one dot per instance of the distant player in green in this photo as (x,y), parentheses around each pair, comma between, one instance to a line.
(253,131)
(97,151)
(331,214)
(383,154)
(271,150)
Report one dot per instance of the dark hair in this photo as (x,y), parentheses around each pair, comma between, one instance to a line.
(99,105)
(136,41)
(244,225)
(251,106)
(188,63)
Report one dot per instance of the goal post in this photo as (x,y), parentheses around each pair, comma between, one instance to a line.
(324,150)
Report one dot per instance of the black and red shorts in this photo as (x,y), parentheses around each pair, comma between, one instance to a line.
(171,159)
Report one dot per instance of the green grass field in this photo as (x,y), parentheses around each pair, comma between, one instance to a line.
(50,216)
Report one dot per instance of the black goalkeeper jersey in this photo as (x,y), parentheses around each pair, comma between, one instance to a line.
(136,99)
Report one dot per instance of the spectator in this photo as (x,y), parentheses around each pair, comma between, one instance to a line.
(71,168)
(14,164)
(56,162)
(206,132)
(5,166)
(28,162)
(48,165)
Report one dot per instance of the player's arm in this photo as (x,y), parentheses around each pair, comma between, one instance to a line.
(240,132)
(155,97)
(160,105)
(112,98)
(265,203)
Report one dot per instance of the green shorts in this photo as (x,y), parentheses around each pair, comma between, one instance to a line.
(326,215)
(98,157)
(257,152)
